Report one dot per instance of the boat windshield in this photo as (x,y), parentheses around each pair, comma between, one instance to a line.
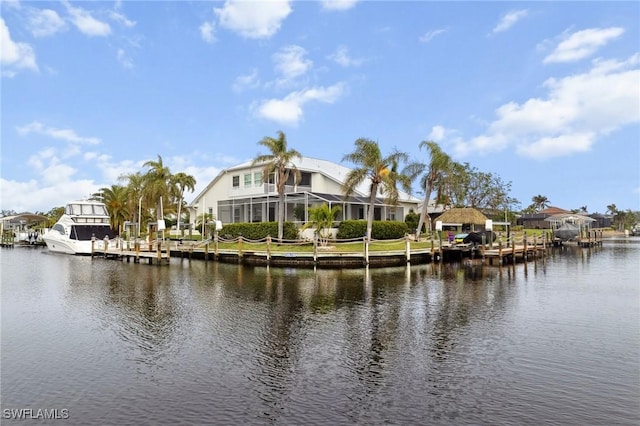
(86,210)
(85,232)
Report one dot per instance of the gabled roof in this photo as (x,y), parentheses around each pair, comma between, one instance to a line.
(336,172)
(553,210)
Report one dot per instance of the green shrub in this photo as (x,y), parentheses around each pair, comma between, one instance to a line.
(411,219)
(259,230)
(380,229)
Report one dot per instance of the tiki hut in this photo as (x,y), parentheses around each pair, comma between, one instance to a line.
(463,219)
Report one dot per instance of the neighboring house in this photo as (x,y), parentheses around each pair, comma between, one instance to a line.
(602,220)
(238,194)
(537,220)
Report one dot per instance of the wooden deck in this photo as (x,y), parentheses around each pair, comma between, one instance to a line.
(157,253)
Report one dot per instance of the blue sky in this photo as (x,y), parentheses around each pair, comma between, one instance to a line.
(545,95)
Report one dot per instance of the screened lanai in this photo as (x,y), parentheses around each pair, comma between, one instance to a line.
(264,208)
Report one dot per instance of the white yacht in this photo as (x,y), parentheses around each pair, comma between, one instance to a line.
(82,222)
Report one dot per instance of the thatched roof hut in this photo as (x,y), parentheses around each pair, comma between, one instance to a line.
(463,216)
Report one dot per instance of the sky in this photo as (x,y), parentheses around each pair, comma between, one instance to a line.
(545,95)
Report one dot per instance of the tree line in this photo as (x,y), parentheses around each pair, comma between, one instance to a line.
(157,193)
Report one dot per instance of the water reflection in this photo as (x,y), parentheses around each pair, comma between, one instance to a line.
(437,343)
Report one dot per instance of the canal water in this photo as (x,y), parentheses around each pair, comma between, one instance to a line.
(552,341)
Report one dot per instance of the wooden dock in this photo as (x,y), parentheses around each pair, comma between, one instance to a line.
(509,249)
(157,252)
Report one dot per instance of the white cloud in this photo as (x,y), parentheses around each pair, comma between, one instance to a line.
(509,20)
(557,146)
(57,178)
(289,110)
(577,110)
(437,133)
(45,22)
(290,61)
(68,135)
(121,19)
(86,23)
(244,82)
(582,44)
(253,19)
(338,4)
(430,35)
(341,57)
(207,32)
(124,59)
(14,55)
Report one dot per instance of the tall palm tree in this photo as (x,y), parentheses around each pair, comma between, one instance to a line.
(382,173)
(278,161)
(115,198)
(540,202)
(435,177)
(182,181)
(157,185)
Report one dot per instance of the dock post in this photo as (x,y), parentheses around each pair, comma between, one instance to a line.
(366,250)
(269,249)
(93,241)
(315,248)
(407,243)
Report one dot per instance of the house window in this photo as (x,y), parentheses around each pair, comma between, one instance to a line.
(236,181)
(305,179)
(247,180)
(257,178)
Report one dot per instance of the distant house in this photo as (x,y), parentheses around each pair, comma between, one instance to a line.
(238,194)
(602,220)
(537,220)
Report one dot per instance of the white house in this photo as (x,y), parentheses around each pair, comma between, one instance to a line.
(238,194)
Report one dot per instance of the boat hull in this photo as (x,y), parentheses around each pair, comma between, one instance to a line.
(68,246)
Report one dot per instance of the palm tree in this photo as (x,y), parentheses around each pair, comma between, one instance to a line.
(280,162)
(202,222)
(437,170)
(322,218)
(540,202)
(382,172)
(135,185)
(115,198)
(182,181)
(157,184)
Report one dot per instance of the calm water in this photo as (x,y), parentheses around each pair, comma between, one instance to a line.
(550,342)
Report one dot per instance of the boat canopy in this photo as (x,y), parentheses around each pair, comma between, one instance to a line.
(558,220)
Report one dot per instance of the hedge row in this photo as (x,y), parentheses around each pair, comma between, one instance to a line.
(259,230)
(380,229)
